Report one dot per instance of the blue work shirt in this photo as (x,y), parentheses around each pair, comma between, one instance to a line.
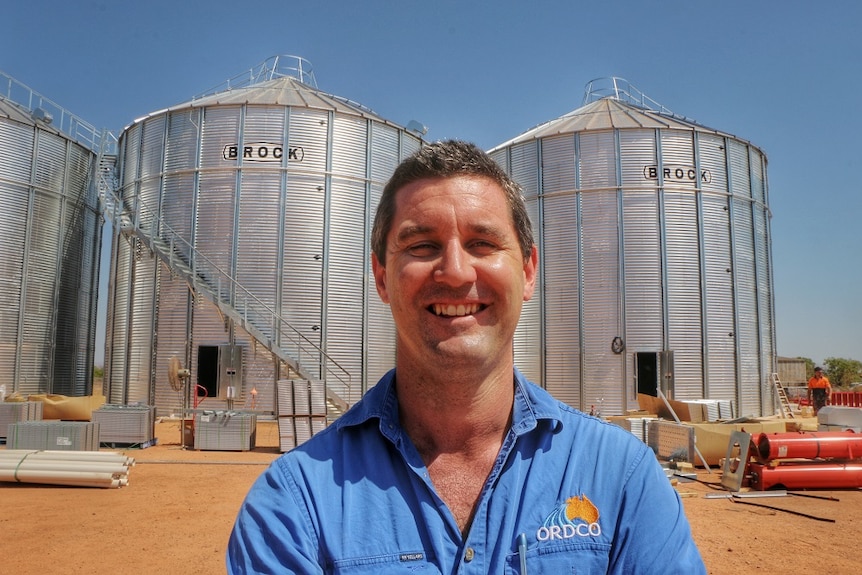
(357,499)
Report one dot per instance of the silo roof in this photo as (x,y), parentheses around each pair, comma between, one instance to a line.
(608,114)
(281,91)
(20,114)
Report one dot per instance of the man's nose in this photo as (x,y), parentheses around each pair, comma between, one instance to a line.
(455,266)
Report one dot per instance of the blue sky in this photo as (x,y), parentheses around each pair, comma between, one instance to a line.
(785,75)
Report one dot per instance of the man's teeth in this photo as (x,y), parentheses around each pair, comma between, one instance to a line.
(455,310)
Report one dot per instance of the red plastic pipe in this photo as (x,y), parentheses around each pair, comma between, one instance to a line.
(794,475)
(809,445)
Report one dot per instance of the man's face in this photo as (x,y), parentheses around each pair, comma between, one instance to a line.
(454,276)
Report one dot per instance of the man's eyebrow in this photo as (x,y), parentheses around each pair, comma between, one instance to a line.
(411,231)
(490,231)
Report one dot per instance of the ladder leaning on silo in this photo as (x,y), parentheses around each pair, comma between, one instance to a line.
(231,298)
(786,409)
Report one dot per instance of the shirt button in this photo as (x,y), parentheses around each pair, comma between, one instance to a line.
(469,554)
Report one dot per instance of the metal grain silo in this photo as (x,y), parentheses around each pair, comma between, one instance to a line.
(50,234)
(656,267)
(245,247)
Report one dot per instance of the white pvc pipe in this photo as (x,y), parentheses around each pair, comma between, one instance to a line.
(73,468)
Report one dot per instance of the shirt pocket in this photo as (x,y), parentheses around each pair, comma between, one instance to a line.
(406,563)
(562,559)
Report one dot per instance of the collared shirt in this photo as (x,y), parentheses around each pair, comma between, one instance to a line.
(357,499)
(821,382)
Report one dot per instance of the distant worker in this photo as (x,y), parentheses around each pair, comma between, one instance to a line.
(820,389)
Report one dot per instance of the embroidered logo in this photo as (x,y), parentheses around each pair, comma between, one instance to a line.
(577,517)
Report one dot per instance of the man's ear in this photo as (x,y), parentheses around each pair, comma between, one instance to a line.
(379,278)
(531,267)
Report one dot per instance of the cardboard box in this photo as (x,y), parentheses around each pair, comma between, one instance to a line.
(712,439)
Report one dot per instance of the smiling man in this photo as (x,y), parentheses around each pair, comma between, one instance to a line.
(454,462)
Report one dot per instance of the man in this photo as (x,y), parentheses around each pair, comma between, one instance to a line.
(454,462)
(819,389)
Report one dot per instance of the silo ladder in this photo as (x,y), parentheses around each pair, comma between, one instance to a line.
(786,410)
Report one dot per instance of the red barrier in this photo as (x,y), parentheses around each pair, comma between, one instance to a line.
(846,398)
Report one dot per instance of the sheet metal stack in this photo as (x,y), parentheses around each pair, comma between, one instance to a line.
(670,440)
(301,412)
(15,411)
(73,468)
(54,435)
(638,426)
(714,409)
(126,424)
(225,431)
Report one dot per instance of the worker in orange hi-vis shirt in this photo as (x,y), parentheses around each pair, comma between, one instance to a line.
(819,389)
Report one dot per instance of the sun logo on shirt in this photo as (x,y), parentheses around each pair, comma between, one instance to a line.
(581,507)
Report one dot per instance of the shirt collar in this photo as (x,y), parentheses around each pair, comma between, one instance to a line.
(531,404)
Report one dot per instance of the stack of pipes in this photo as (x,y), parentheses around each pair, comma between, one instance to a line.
(74,468)
(807,460)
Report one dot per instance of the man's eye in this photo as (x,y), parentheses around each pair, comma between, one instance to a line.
(422,250)
(482,246)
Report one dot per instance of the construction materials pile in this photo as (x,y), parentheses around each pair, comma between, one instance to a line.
(73,468)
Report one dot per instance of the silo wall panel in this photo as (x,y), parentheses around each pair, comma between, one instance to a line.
(682,261)
(745,279)
(215,207)
(260,223)
(142,326)
(42,264)
(389,147)
(302,263)
(13,207)
(16,149)
(600,242)
(642,253)
(48,234)
(559,268)
(720,356)
(173,339)
(258,240)
(721,343)
(41,270)
(117,321)
(528,335)
(75,296)
(347,255)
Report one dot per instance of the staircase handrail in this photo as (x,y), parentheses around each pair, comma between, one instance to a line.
(179,246)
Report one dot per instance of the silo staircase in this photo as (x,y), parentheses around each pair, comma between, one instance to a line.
(234,301)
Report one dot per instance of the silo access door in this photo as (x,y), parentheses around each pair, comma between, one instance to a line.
(220,371)
(654,371)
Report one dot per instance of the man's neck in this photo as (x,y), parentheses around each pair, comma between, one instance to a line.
(455,411)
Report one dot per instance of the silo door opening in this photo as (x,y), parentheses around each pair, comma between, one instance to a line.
(207,371)
(646,372)
(219,371)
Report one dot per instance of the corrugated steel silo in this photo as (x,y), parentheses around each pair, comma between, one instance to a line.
(50,234)
(656,267)
(267,190)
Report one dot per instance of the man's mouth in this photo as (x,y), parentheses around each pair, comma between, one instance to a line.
(452,310)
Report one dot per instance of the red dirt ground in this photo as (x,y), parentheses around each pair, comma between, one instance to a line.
(179,506)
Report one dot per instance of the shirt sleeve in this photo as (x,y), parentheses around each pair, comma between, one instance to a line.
(653,534)
(273,532)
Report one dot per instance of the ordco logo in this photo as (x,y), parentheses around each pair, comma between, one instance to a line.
(577,517)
